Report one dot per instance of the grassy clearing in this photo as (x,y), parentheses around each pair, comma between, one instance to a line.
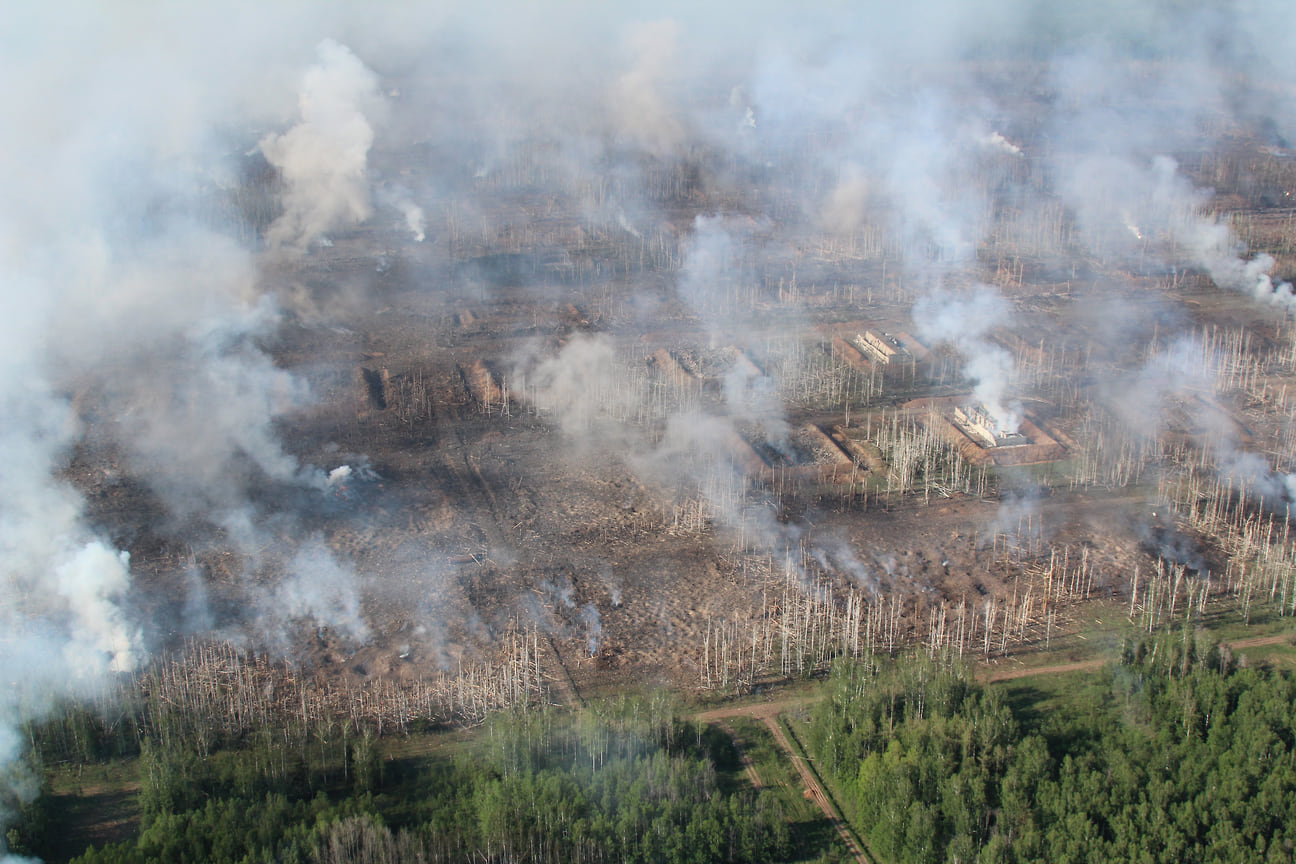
(92,804)
(1227,624)
(446,742)
(1036,699)
(118,775)
(1095,630)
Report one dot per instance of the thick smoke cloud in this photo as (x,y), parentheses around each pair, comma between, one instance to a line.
(642,112)
(965,321)
(137,324)
(323,159)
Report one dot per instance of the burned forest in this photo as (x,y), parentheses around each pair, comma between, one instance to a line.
(388,371)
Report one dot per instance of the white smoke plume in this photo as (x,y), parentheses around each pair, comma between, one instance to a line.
(965,322)
(92,582)
(324,158)
(710,273)
(593,629)
(400,200)
(319,588)
(1131,199)
(582,387)
(1187,369)
(414,220)
(997,141)
(751,396)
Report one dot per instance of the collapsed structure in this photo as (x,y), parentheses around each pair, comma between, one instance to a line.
(884,348)
(871,350)
(983,427)
(968,426)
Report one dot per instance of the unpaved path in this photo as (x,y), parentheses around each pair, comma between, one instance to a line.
(987,676)
(756,710)
(817,793)
(744,758)
(768,713)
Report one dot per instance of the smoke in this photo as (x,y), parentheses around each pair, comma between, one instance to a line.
(318,588)
(139,328)
(965,322)
(1159,534)
(92,581)
(414,220)
(752,397)
(153,154)
(1115,135)
(1185,378)
(1140,400)
(323,160)
(640,110)
(593,628)
(399,199)
(583,387)
(836,555)
(710,274)
(1017,519)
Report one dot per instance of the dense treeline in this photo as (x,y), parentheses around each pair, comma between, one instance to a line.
(625,780)
(1175,755)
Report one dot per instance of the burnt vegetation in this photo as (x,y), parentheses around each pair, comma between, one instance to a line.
(455,396)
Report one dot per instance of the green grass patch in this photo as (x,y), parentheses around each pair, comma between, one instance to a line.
(88,778)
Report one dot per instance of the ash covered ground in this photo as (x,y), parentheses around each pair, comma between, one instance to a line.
(366,343)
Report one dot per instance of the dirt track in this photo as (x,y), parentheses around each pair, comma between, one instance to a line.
(768,713)
(989,676)
(817,792)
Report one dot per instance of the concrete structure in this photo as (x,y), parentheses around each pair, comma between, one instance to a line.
(978,423)
(883,348)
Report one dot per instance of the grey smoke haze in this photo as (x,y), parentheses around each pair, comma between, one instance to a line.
(583,387)
(323,159)
(138,309)
(965,320)
(319,588)
(136,326)
(1186,376)
(641,110)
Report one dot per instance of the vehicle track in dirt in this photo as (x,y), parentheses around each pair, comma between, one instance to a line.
(990,676)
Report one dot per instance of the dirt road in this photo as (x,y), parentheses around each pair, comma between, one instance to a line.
(768,713)
(987,676)
(817,792)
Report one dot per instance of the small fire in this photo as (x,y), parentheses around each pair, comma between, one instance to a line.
(1133,229)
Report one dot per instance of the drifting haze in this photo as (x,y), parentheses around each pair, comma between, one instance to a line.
(140,293)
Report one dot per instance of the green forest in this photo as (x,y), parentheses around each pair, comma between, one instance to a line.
(1172,754)
(624,780)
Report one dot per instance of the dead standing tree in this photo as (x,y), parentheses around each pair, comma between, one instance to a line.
(215,689)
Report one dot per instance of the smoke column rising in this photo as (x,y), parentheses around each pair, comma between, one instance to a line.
(323,159)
